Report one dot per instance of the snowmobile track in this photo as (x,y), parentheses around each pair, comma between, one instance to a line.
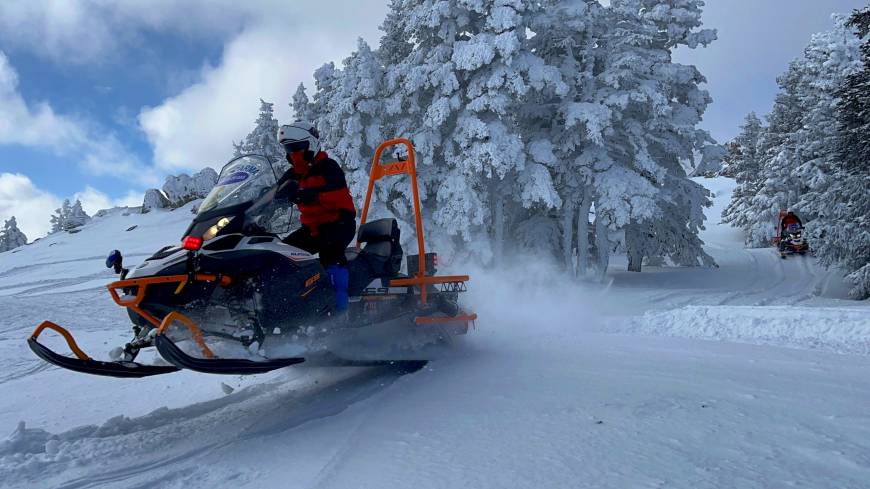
(247,415)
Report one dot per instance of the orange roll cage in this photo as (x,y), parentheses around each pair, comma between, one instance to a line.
(406,167)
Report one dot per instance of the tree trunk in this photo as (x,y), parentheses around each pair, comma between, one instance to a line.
(498,229)
(634,247)
(583,235)
(568,208)
(602,244)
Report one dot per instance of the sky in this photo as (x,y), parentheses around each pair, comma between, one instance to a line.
(100,100)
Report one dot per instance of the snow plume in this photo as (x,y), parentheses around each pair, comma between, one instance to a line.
(544,304)
(520,136)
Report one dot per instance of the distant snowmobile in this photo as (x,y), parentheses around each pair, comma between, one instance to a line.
(234,284)
(790,235)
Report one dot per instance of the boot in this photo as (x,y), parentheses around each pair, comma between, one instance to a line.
(340,279)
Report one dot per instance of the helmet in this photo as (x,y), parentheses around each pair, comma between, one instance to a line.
(299,136)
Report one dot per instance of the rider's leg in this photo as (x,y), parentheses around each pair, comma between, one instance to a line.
(302,239)
(334,239)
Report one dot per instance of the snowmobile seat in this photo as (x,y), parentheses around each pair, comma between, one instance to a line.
(379,231)
(380,257)
(382,249)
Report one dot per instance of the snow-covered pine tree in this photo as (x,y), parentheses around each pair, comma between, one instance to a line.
(744,162)
(778,185)
(10,236)
(566,38)
(455,72)
(830,58)
(263,138)
(712,161)
(300,105)
(803,135)
(60,217)
(76,218)
(841,234)
(628,121)
(350,124)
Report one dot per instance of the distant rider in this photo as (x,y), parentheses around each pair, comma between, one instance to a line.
(325,205)
(789,219)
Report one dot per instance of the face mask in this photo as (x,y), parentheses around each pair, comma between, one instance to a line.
(300,163)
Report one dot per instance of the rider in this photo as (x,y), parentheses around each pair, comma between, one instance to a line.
(325,205)
(789,219)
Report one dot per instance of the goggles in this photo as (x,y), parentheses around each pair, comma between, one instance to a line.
(294,146)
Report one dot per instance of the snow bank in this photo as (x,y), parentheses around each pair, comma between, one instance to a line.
(841,330)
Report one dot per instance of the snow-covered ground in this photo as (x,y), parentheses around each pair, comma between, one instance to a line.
(559,386)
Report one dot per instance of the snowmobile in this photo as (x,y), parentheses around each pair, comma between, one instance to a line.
(790,240)
(232,298)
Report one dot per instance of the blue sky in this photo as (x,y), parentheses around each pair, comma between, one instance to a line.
(103,99)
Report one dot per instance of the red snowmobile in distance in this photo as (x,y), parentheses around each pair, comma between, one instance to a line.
(789,237)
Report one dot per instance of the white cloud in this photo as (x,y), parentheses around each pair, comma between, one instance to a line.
(270,47)
(31,206)
(267,60)
(86,31)
(41,127)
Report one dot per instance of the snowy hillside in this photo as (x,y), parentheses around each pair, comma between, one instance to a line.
(560,385)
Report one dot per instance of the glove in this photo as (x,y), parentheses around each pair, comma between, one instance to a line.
(286,190)
(306,196)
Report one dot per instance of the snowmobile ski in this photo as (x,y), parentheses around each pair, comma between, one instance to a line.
(173,354)
(85,364)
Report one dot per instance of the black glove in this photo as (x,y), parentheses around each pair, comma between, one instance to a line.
(287,190)
(306,196)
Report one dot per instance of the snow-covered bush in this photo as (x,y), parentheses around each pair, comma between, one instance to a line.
(10,236)
(68,217)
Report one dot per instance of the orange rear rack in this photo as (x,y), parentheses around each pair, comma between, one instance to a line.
(407,167)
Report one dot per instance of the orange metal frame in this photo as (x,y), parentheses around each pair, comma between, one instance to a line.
(142,285)
(407,167)
(78,352)
(182,280)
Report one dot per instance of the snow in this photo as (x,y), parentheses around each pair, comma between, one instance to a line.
(559,385)
(844,330)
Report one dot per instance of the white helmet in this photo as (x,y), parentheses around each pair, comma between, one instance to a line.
(299,136)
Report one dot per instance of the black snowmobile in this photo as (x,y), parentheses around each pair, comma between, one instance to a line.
(232,298)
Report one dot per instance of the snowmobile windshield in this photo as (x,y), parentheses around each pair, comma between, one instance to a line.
(243,179)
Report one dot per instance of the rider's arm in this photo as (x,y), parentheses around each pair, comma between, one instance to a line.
(333,181)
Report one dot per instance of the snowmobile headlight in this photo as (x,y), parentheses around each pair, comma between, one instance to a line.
(216,228)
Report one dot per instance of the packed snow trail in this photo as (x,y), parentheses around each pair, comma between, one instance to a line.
(559,386)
